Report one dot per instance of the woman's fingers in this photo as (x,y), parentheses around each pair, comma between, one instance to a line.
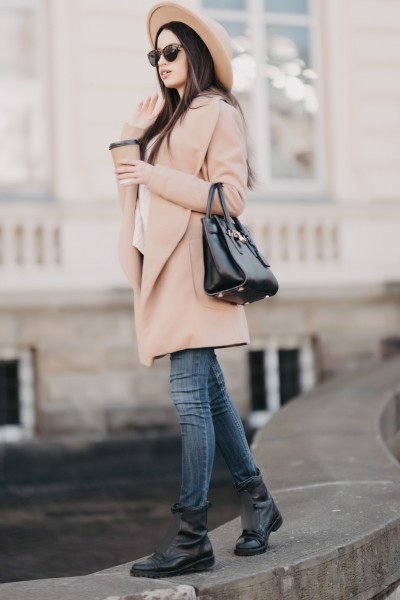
(125,163)
(146,111)
(123,174)
(153,102)
(149,103)
(130,178)
(159,108)
(128,161)
(136,171)
(146,103)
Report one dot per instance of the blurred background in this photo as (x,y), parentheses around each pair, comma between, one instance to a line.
(85,430)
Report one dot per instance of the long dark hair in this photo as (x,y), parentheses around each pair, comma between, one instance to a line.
(201,81)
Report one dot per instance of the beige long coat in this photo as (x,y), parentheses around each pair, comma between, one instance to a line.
(171,310)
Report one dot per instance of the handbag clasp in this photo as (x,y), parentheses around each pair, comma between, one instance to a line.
(237,235)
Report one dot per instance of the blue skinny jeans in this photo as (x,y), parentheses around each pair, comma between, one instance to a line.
(207,417)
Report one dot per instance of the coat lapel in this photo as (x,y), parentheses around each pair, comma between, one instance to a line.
(168,221)
(167,225)
(129,256)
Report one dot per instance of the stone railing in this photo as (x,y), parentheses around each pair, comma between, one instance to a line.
(30,242)
(72,245)
(309,238)
(325,244)
(328,459)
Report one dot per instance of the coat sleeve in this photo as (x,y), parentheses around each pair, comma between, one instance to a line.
(225,161)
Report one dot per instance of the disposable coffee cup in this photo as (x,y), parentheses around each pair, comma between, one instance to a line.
(124,149)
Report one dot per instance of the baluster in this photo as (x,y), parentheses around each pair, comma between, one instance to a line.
(29,248)
(266,236)
(48,244)
(275,242)
(293,255)
(38,245)
(258,237)
(56,244)
(301,242)
(310,242)
(319,242)
(283,235)
(18,244)
(334,235)
(8,248)
(328,242)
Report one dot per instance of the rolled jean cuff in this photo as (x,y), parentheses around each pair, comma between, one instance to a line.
(177,507)
(237,486)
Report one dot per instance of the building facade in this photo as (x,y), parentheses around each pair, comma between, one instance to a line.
(319,84)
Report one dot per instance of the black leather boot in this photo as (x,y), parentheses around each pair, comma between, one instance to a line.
(185,548)
(259,516)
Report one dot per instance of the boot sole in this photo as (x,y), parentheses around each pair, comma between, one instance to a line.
(275,526)
(201,565)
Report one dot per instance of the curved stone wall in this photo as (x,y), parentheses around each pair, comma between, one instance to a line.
(389,424)
(329,458)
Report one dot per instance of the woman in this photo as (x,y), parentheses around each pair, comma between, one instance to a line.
(195,136)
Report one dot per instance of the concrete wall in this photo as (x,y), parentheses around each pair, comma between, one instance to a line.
(361,60)
(87,379)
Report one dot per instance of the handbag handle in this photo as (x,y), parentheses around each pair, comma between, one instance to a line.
(211,194)
(244,234)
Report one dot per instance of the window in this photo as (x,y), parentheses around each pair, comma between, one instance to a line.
(278,374)
(225,4)
(24,160)
(9,393)
(257,380)
(16,395)
(286,6)
(289,374)
(275,79)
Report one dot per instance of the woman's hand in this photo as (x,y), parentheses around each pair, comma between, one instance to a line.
(133,172)
(146,112)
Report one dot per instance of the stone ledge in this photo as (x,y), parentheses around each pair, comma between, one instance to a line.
(180,592)
(325,458)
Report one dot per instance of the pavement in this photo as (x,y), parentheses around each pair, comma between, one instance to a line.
(326,460)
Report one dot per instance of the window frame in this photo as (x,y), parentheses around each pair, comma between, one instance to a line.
(307,370)
(257,18)
(26,384)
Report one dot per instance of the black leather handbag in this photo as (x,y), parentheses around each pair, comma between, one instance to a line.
(235,271)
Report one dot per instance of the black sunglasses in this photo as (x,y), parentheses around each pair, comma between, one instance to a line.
(170,54)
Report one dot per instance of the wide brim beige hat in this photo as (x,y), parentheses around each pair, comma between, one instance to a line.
(211,32)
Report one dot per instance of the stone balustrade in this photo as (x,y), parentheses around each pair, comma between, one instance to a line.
(30,241)
(72,245)
(307,239)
